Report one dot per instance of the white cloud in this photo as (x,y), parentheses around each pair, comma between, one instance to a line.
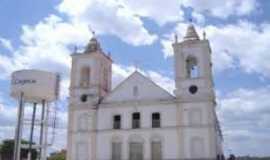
(120,72)
(6,44)
(7,116)
(171,11)
(54,30)
(167,46)
(244,116)
(199,18)
(222,8)
(244,45)
(46,46)
(108,17)
(163,81)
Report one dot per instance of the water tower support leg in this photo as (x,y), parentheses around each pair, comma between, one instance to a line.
(42,129)
(32,131)
(18,134)
(44,151)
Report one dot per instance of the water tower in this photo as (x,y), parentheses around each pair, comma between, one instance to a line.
(39,89)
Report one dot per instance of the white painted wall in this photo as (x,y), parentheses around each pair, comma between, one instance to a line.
(176,132)
(167,133)
(167,113)
(147,90)
(173,133)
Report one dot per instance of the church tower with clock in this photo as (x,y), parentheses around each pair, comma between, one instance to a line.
(195,96)
(90,82)
(193,67)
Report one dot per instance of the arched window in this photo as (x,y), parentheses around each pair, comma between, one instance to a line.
(192,67)
(156,153)
(117,121)
(155,120)
(135,91)
(85,77)
(136,120)
(156,147)
(135,151)
(116,148)
(136,147)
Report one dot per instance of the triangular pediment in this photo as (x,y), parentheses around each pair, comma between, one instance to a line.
(137,87)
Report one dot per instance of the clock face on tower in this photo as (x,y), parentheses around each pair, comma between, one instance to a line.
(84,98)
(193,89)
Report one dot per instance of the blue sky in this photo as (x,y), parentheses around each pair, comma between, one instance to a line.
(42,35)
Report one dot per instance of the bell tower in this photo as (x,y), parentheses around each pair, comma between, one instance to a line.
(198,123)
(193,67)
(91,78)
(91,73)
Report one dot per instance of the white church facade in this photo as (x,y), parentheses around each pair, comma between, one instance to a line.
(139,120)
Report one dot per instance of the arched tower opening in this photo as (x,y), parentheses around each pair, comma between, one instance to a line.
(85,77)
(192,67)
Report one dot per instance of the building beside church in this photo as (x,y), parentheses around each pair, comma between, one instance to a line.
(139,120)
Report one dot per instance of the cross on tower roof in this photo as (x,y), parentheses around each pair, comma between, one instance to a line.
(136,65)
(92,31)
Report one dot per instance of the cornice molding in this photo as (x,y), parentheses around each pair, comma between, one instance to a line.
(147,129)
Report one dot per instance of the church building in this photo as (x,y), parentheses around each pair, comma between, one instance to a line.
(139,120)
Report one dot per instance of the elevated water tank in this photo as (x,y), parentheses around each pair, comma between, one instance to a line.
(36,85)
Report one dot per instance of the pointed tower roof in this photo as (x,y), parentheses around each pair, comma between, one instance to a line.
(191,33)
(93,45)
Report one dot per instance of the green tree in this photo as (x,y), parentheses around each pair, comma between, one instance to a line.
(7,149)
(61,155)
